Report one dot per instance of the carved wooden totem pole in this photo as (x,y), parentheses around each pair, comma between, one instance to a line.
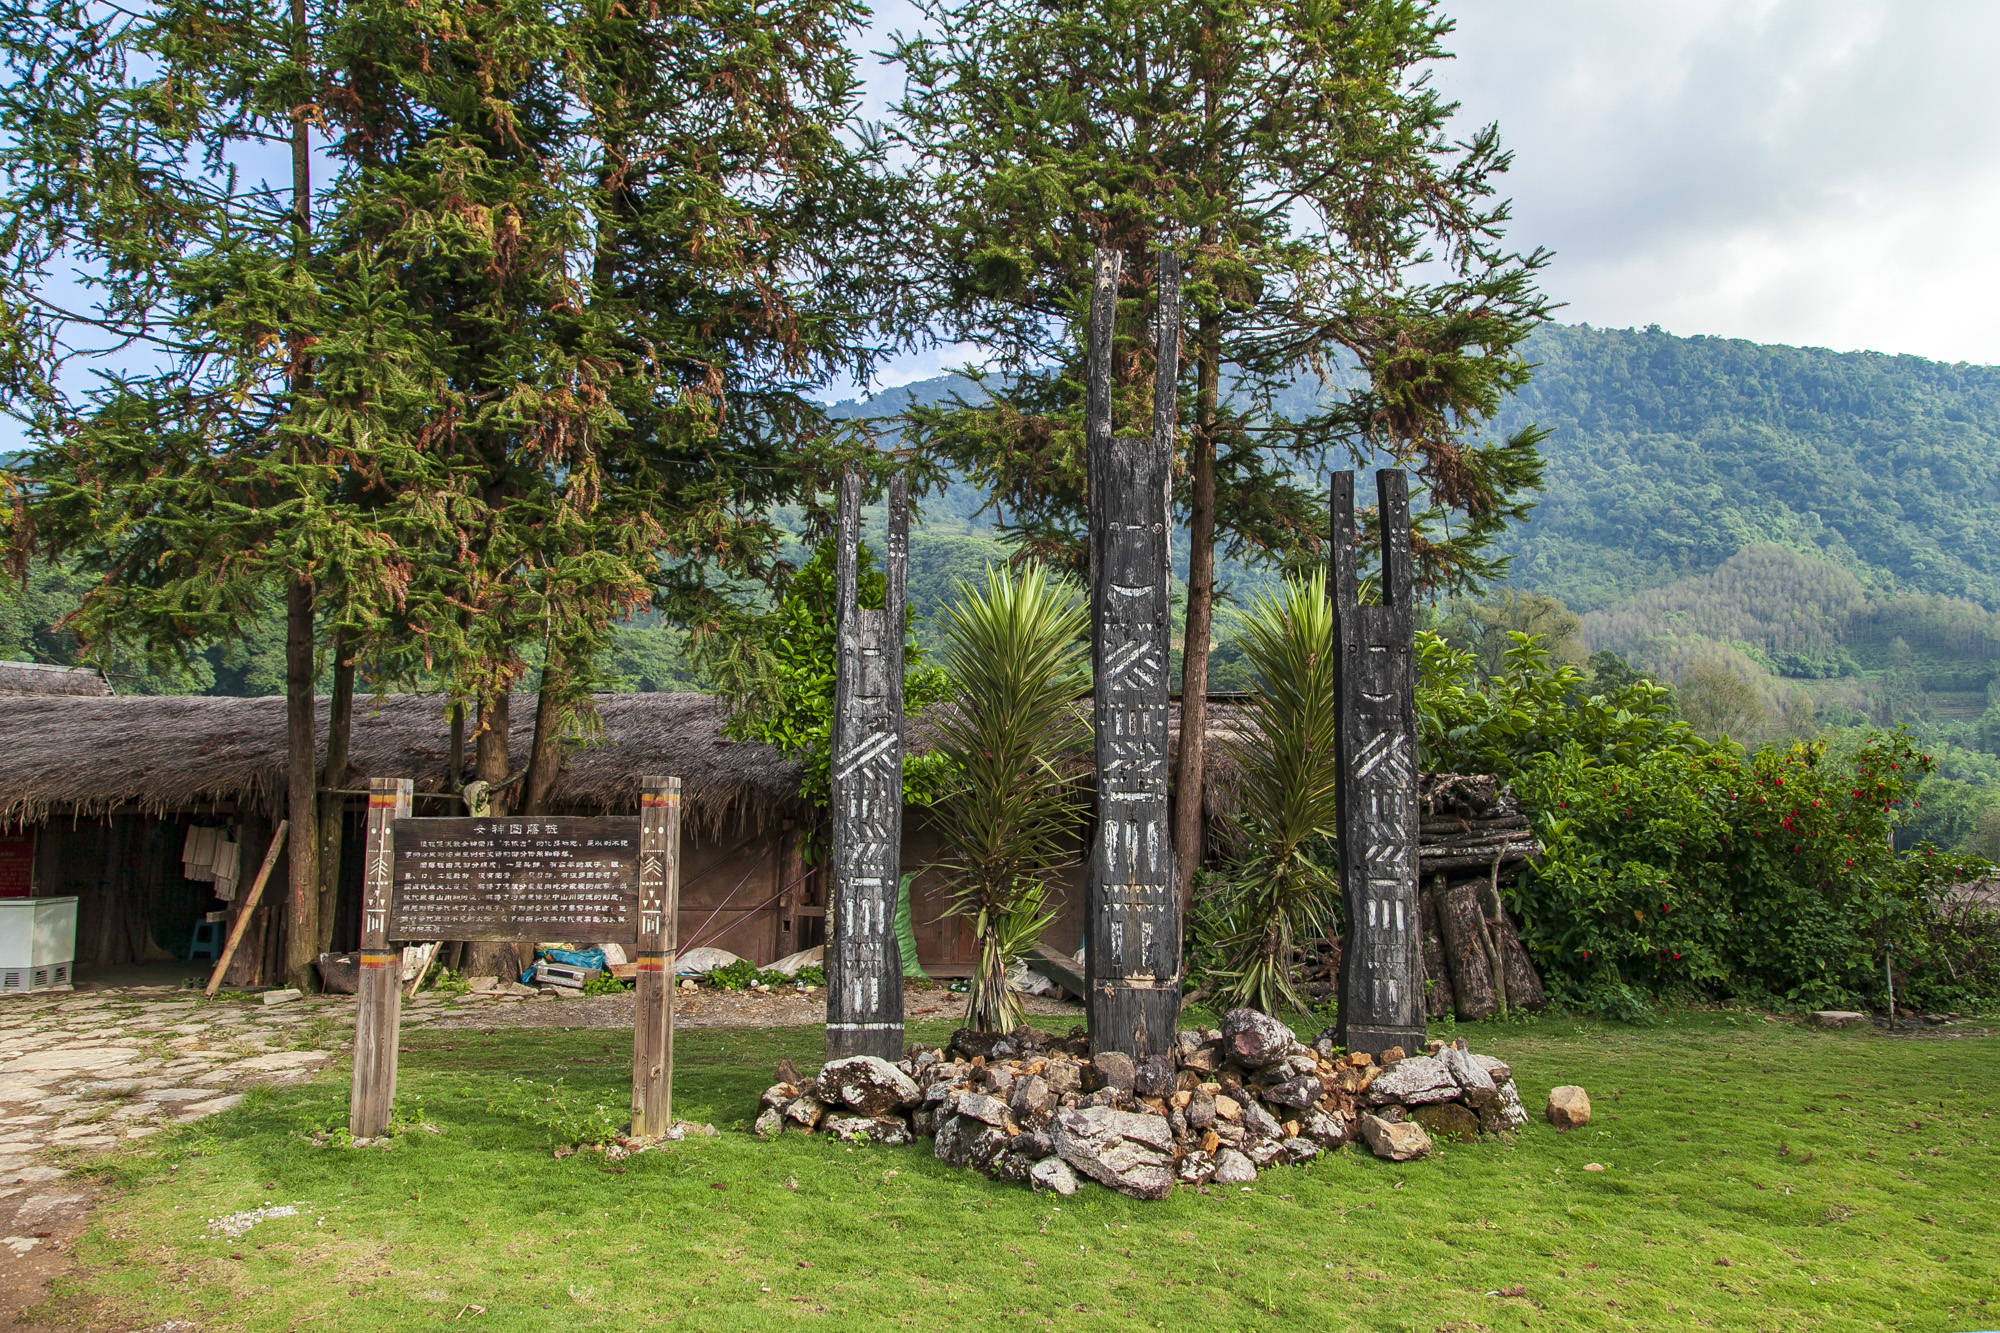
(1381,963)
(864,973)
(1132,914)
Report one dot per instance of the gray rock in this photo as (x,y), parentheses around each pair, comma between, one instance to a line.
(1513,1115)
(769,1124)
(868,1084)
(1471,1076)
(869,1129)
(1256,1120)
(1205,1058)
(1052,1175)
(1033,1143)
(1115,1070)
(1325,1129)
(1195,1168)
(1298,1151)
(779,1095)
(1402,1142)
(1295,1093)
(987,1110)
(1413,1081)
(1255,1040)
(1232,1168)
(1263,1152)
(1839,1018)
(1200,1111)
(1156,1077)
(1132,1154)
(1033,1099)
(1497,1070)
(1063,1076)
(806,1111)
(923,1122)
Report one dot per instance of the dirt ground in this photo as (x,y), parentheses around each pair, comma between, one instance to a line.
(705,1008)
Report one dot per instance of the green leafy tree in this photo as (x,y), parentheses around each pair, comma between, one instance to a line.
(781,678)
(1015,655)
(1332,220)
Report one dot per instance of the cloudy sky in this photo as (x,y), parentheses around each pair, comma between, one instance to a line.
(1820,172)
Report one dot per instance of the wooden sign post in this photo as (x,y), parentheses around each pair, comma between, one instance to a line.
(659,940)
(864,966)
(595,880)
(379,1011)
(1132,952)
(1381,961)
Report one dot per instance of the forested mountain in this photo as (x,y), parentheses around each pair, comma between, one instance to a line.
(1667,455)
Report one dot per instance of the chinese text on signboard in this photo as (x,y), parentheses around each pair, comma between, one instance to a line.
(536,878)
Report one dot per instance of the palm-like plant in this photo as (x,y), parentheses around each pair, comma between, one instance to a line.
(1016,661)
(1279,886)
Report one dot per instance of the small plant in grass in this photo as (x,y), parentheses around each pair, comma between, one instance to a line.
(570,1118)
(812,974)
(1278,886)
(1015,658)
(448,982)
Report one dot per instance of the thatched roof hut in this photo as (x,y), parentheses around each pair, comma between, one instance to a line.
(154,754)
(40,678)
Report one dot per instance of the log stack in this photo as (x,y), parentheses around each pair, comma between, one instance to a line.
(1473,833)
(1472,837)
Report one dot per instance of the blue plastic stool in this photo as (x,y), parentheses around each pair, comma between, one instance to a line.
(207,941)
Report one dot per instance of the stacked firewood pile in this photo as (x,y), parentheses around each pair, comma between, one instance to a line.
(1473,833)
(1472,837)
(1223,1104)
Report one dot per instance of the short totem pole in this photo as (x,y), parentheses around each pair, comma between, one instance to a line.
(1381,962)
(1132,912)
(864,973)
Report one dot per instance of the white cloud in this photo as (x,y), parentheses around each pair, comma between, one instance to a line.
(1798,171)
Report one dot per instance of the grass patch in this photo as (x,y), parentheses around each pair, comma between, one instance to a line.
(1760,1176)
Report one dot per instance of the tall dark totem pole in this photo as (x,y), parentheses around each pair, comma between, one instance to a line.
(864,974)
(1381,963)
(1132,914)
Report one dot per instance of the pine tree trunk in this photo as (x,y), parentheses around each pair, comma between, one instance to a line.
(301,783)
(1192,762)
(333,777)
(493,958)
(545,752)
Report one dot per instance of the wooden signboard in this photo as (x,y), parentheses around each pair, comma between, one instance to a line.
(1381,961)
(516,879)
(590,880)
(864,966)
(1131,910)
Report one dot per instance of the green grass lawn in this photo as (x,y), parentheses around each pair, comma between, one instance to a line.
(1758,1175)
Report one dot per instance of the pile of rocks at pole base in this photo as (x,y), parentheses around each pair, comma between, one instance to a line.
(1032,1108)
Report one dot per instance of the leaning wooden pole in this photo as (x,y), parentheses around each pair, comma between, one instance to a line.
(1381,961)
(864,973)
(379,1002)
(247,910)
(1132,949)
(659,940)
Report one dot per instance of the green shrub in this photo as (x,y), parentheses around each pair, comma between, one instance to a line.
(1678,866)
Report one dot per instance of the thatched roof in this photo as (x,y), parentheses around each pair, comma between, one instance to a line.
(37,678)
(90,755)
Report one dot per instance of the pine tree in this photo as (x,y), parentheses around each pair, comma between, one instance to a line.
(1295,153)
